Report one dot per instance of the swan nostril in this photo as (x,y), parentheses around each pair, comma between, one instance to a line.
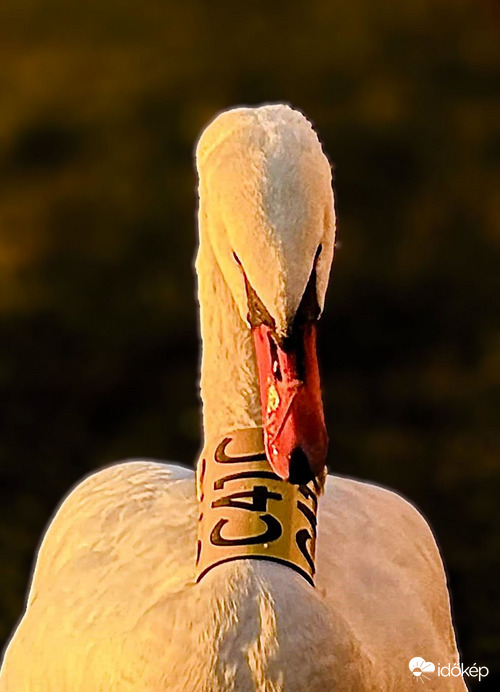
(274,358)
(300,471)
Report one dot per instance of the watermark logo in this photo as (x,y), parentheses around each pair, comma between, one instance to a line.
(421,670)
(420,667)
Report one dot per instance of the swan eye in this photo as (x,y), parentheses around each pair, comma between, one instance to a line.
(309,309)
(257,312)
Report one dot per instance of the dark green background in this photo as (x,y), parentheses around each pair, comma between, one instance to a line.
(101,103)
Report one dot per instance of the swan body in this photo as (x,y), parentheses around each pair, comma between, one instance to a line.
(114,603)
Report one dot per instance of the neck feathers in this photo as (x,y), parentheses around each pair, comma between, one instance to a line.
(229,380)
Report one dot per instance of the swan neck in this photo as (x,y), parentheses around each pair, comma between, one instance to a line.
(229,387)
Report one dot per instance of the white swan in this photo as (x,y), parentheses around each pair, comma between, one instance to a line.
(114,604)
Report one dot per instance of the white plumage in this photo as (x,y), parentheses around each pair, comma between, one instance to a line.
(113,604)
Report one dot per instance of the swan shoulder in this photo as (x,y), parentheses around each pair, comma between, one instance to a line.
(380,568)
(123,540)
(134,510)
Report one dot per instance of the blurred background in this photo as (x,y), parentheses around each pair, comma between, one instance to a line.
(101,107)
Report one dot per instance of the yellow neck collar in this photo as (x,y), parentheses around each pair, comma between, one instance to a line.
(247,511)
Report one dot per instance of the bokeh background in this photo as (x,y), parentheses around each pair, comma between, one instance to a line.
(101,104)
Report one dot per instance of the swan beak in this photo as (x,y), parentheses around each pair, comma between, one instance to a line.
(295,436)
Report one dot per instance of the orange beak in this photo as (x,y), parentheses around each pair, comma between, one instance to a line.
(295,434)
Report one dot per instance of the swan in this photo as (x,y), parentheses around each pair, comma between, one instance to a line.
(148,580)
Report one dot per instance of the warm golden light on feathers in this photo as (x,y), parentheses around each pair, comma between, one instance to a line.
(266,195)
(114,604)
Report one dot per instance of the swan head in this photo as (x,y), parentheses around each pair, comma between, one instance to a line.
(266,206)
